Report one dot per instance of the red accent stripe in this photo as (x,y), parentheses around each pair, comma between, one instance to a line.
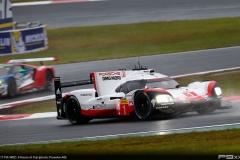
(21,103)
(232,98)
(55,58)
(210,87)
(105,112)
(155,90)
(94,82)
(17,116)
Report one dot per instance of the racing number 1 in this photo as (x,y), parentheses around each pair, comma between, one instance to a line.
(124,108)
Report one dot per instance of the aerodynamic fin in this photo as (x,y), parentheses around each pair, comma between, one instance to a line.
(58,96)
(32,60)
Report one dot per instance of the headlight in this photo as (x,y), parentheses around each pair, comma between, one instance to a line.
(218,91)
(164,98)
(1,81)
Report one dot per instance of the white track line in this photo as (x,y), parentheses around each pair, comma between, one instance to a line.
(31,3)
(150,133)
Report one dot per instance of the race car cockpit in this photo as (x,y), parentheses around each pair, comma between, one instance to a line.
(163,83)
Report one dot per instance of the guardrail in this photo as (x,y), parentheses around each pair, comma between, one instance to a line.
(23,25)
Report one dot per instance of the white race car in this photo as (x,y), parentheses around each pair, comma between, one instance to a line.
(141,93)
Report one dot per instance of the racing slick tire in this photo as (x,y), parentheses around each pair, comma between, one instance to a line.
(12,88)
(73,111)
(142,106)
(48,79)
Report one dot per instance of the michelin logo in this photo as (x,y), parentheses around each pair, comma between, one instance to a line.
(5,42)
(18,43)
(35,38)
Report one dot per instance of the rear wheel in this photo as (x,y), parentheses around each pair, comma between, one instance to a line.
(73,110)
(48,80)
(142,106)
(12,88)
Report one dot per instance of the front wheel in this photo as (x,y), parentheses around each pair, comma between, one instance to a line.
(12,88)
(73,110)
(142,106)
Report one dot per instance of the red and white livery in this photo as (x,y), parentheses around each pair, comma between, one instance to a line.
(17,77)
(140,93)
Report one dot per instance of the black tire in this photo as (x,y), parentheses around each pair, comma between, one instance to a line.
(48,78)
(142,106)
(73,110)
(12,88)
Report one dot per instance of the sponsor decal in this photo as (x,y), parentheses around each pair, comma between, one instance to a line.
(5,15)
(162,107)
(99,99)
(167,103)
(99,106)
(86,94)
(130,103)
(5,43)
(18,45)
(58,91)
(56,78)
(20,41)
(111,78)
(123,101)
(153,101)
(110,75)
(17,77)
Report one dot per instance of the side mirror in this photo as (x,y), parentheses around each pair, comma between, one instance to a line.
(178,86)
(22,71)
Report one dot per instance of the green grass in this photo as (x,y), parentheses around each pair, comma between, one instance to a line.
(194,143)
(78,44)
(226,79)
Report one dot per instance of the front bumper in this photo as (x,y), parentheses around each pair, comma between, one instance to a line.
(190,106)
(3,89)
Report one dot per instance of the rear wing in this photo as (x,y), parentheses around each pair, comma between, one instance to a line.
(32,60)
(61,112)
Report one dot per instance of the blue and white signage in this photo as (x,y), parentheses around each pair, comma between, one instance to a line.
(23,41)
(6,21)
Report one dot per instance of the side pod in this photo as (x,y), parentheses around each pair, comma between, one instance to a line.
(61,113)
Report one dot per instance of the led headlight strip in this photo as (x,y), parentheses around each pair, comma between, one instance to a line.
(218,91)
(164,98)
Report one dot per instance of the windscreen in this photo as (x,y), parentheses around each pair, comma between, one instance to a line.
(164,83)
(4,71)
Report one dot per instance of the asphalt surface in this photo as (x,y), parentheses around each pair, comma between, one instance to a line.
(169,64)
(46,129)
(125,11)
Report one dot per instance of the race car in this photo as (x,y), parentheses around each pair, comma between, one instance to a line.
(17,77)
(140,93)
